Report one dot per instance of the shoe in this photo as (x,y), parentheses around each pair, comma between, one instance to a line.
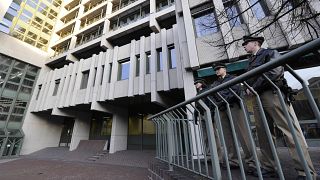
(266,173)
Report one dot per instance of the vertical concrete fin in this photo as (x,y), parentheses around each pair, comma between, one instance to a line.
(178,56)
(114,72)
(142,68)
(165,60)
(91,78)
(77,83)
(132,71)
(153,67)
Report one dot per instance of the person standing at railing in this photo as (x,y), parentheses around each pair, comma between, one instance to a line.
(201,86)
(272,108)
(237,119)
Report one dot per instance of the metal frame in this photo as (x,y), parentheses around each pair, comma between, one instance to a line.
(180,141)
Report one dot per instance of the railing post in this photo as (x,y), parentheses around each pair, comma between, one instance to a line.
(170,142)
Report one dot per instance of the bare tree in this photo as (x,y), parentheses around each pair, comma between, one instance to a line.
(294,17)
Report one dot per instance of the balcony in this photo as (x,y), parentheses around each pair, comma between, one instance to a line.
(121,5)
(71,5)
(89,35)
(163,4)
(119,22)
(92,18)
(92,4)
(66,31)
(61,48)
(70,16)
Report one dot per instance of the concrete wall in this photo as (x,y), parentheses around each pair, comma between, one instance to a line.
(81,129)
(70,76)
(4,8)
(15,48)
(41,131)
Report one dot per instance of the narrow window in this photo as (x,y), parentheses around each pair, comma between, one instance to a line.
(205,22)
(137,65)
(124,68)
(148,63)
(159,60)
(84,80)
(56,86)
(172,57)
(38,93)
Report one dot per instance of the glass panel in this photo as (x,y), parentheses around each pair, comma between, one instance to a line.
(172,58)
(3,119)
(5,104)
(205,23)
(148,64)
(32,69)
(30,76)
(159,60)
(124,68)
(28,82)
(4,68)
(84,81)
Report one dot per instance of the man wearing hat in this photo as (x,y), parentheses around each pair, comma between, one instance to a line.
(237,116)
(201,86)
(272,108)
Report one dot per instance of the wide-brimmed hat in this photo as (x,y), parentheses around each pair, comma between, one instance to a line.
(218,65)
(247,39)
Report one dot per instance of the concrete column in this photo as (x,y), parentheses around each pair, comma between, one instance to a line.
(293,36)
(133,64)
(109,7)
(178,56)
(46,90)
(153,67)
(190,36)
(71,84)
(91,79)
(61,86)
(81,129)
(65,85)
(106,72)
(142,67)
(41,80)
(225,29)
(99,74)
(77,83)
(4,8)
(119,131)
(114,72)
(165,60)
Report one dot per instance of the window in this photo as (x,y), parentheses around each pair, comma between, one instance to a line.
(124,68)
(56,87)
(259,8)
(232,11)
(159,60)
(205,23)
(102,71)
(110,71)
(38,93)
(172,57)
(94,76)
(148,63)
(84,80)
(137,65)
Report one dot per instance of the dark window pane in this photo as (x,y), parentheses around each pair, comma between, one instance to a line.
(84,81)
(205,23)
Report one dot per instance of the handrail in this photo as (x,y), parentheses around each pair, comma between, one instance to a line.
(302,50)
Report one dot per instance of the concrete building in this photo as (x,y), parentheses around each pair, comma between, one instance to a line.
(114,62)
(31,21)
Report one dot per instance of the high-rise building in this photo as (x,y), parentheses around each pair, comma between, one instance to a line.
(115,62)
(31,21)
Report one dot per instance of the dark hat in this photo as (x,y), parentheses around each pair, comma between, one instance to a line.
(218,65)
(200,80)
(247,39)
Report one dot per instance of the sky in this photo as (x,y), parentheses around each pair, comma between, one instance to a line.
(304,74)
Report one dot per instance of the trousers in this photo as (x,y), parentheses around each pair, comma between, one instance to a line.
(275,113)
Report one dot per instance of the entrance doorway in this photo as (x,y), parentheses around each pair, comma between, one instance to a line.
(100,127)
(66,134)
(141,132)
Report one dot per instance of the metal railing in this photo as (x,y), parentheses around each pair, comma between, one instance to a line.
(181,143)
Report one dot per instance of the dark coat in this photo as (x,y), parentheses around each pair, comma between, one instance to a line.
(259,83)
(226,93)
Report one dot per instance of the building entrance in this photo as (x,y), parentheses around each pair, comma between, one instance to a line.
(141,132)
(100,127)
(66,134)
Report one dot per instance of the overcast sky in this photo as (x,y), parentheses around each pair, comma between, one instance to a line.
(304,73)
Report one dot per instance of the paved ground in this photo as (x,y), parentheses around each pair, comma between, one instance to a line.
(59,163)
